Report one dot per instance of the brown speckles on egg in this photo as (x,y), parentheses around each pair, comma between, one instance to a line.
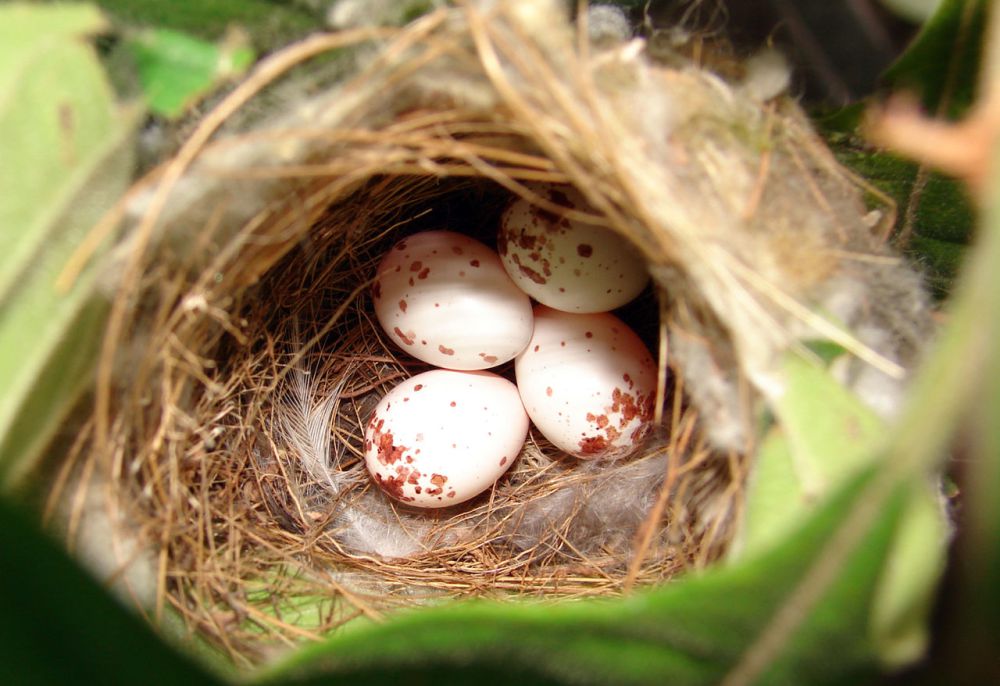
(593,445)
(445,351)
(418,387)
(387,452)
(529,272)
(452,404)
(393,485)
(584,250)
(416,266)
(438,481)
(503,460)
(489,359)
(474,263)
(424,272)
(401,245)
(406,338)
(548,391)
(402,305)
(457,250)
(589,334)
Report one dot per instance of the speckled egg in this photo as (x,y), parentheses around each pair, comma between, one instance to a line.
(443,437)
(564,263)
(445,299)
(588,383)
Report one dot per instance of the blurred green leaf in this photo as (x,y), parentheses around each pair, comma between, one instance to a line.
(825,436)
(59,627)
(973,616)
(176,69)
(55,110)
(65,157)
(270,24)
(902,605)
(941,65)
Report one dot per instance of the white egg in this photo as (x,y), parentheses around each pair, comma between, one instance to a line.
(567,264)
(445,299)
(443,437)
(588,383)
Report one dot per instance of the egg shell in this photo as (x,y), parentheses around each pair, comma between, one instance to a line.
(445,299)
(567,264)
(588,383)
(443,437)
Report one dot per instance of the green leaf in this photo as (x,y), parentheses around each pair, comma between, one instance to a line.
(58,627)
(271,25)
(831,434)
(973,616)
(775,499)
(825,436)
(941,65)
(66,152)
(902,605)
(176,69)
(55,110)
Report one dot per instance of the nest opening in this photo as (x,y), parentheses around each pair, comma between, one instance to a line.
(552,525)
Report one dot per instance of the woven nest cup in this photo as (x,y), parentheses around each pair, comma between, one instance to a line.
(243,358)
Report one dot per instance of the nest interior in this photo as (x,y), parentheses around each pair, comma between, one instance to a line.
(243,358)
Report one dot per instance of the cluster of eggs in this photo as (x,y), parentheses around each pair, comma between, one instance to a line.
(583,377)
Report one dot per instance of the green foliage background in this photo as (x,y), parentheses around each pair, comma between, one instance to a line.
(827,600)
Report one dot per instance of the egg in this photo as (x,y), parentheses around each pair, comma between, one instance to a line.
(564,263)
(445,299)
(588,383)
(443,437)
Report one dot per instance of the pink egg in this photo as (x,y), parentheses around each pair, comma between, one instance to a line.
(445,299)
(443,437)
(588,383)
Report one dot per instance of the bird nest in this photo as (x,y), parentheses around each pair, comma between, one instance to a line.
(243,359)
